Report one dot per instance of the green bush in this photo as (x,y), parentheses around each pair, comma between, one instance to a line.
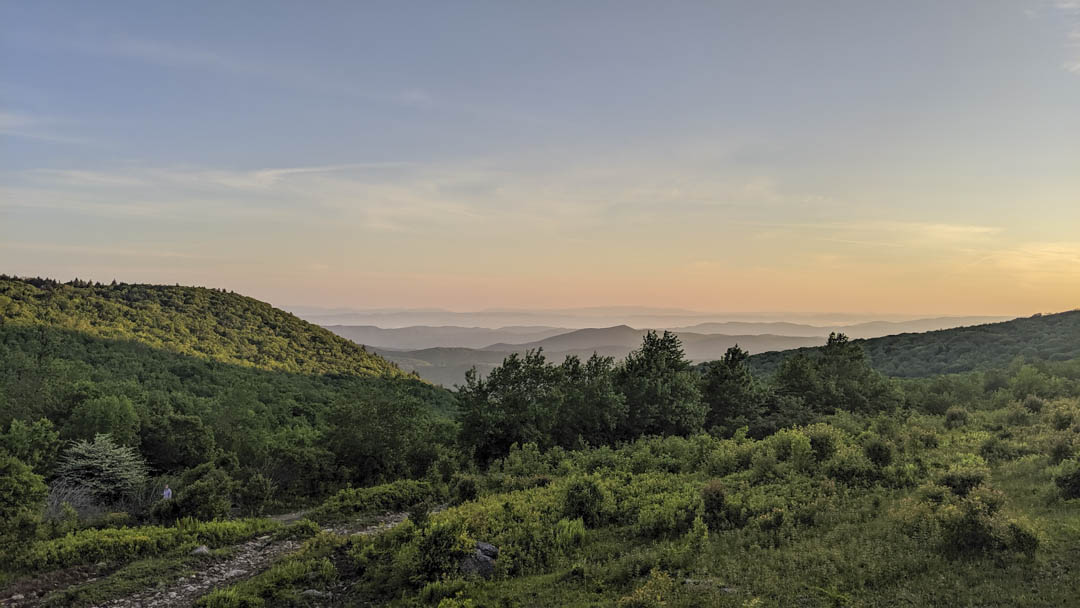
(124,544)
(714,504)
(1034,403)
(956,417)
(376,499)
(996,449)
(825,440)
(465,489)
(961,479)
(1061,448)
(22,496)
(655,593)
(583,499)
(878,450)
(298,530)
(108,472)
(1068,479)
(569,534)
(851,466)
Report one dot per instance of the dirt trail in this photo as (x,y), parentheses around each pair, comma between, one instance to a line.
(252,557)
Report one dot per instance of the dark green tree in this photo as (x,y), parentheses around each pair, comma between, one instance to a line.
(729,391)
(518,403)
(661,391)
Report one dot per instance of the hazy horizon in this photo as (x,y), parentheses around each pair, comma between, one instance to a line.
(917,158)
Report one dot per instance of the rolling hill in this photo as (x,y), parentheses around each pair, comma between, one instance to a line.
(1054,337)
(189,375)
(223,326)
(868,329)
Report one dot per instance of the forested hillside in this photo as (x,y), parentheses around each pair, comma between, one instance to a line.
(216,324)
(204,385)
(1053,337)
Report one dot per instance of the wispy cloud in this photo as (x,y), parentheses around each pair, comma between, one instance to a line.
(178,56)
(26,126)
(151,252)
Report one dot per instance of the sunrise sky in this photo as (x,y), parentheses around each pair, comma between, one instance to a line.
(905,157)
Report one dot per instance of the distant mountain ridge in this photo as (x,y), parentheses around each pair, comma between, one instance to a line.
(443,354)
(447,365)
(426,336)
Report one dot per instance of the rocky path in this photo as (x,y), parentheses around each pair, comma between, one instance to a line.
(251,558)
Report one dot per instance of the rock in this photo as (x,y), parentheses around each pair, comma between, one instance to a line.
(234,573)
(17,597)
(267,537)
(478,564)
(482,561)
(314,593)
(201,550)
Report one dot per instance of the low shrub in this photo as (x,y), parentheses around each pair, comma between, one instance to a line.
(657,590)
(376,499)
(125,544)
(714,503)
(298,530)
(1034,403)
(1067,479)
(569,534)
(956,417)
(963,476)
(584,499)
(878,450)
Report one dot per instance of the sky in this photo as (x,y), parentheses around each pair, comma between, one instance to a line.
(917,157)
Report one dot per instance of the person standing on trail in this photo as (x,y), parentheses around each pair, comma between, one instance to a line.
(167,494)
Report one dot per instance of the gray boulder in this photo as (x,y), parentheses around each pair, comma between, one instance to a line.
(481,562)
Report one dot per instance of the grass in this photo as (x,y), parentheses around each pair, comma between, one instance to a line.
(135,577)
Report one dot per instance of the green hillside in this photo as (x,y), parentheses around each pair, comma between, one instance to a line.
(219,325)
(1053,337)
(193,377)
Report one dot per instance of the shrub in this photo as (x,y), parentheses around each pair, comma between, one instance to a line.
(714,501)
(1068,479)
(653,594)
(205,492)
(849,465)
(879,451)
(1034,403)
(125,544)
(584,500)
(376,499)
(433,593)
(569,534)
(824,440)
(465,489)
(110,473)
(1061,448)
(1062,417)
(254,495)
(962,479)
(298,530)
(22,496)
(996,449)
(956,417)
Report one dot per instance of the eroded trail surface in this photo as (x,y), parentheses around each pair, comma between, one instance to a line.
(251,558)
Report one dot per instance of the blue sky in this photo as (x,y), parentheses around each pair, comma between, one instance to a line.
(900,156)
